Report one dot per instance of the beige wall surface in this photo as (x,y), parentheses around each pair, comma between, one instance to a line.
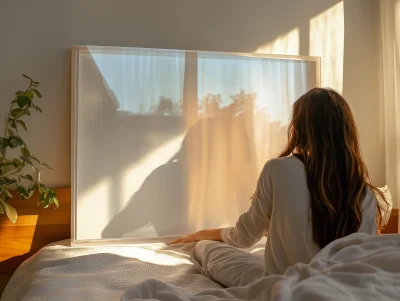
(36,37)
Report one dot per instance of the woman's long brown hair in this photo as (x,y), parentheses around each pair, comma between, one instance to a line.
(323,135)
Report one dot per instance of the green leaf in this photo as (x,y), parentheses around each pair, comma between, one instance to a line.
(24,100)
(9,180)
(26,76)
(29,94)
(25,152)
(35,159)
(6,192)
(42,188)
(20,93)
(11,171)
(37,93)
(27,112)
(41,198)
(26,159)
(56,202)
(22,124)
(7,163)
(37,108)
(17,113)
(44,164)
(9,132)
(31,192)
(29,177)
(22,191)
(18,162)
(15,141)
(3,151)
(34,187)
(3,142)
(10,211)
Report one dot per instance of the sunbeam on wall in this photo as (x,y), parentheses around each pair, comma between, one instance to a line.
(287,43)
(89,201)
(327,42)
(397,42)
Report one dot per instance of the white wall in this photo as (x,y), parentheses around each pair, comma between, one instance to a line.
(36,36)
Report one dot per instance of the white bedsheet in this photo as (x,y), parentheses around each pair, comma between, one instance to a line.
(357,267)
(59,272)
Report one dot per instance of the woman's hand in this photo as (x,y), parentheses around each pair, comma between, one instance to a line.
(214,234)
(194,237)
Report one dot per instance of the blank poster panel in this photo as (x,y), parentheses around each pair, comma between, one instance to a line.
(168,142)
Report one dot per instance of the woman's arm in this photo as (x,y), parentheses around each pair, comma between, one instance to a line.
(253,224)
(213,234)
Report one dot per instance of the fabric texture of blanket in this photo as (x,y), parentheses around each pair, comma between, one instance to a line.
(59,272)
(357,267)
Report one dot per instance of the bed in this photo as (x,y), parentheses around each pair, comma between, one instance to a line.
(357,267)
(60,272)
(190,272)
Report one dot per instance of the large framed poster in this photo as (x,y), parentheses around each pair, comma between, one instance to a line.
(168,142)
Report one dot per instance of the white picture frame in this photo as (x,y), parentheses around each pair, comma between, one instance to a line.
(76,54)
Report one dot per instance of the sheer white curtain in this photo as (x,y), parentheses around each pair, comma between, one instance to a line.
(143,78)
(225,173)
(390,29)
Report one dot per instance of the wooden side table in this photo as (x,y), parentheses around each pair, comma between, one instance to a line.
(34,229)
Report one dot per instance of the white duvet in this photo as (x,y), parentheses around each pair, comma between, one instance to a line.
(59,272)
(358,267)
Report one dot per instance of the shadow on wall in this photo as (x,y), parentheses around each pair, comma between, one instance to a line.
(198,172)
(215,163)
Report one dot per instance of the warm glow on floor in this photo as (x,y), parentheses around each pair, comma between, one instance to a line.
(327,42)
(287,43)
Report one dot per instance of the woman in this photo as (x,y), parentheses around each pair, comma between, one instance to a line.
(317,191)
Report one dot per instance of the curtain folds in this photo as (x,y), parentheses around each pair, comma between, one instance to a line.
(390,30)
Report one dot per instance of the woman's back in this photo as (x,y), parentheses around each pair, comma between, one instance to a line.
(316,192)
(290,232)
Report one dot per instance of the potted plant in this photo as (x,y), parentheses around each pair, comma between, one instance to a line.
(22,171)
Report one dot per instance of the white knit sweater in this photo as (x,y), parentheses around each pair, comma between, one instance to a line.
(281,208)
